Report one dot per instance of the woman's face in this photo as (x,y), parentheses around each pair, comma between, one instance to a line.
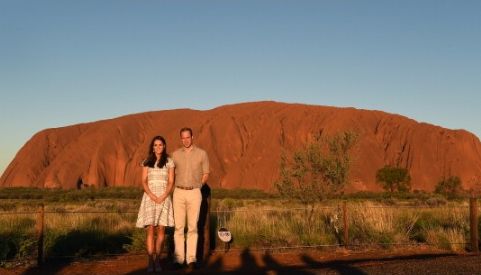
(158,147)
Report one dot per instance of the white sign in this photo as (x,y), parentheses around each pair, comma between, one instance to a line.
(224,235)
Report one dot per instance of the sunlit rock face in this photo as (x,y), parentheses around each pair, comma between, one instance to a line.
(244,143)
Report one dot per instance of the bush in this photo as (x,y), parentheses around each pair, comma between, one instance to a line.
(434,201)
(450,187)
(71,195)
(394,179)
(241,194)
(317,171)
(17,240)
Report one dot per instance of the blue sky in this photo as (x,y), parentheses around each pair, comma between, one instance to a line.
(67,62)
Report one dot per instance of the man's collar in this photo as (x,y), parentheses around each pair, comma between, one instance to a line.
(185,149)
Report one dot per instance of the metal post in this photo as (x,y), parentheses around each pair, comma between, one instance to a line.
(39,229)
(346,225)
(473,210)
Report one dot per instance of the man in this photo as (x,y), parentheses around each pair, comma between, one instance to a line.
(191,172)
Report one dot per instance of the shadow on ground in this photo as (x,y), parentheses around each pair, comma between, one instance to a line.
(307,265)
(250,263)
(80,244)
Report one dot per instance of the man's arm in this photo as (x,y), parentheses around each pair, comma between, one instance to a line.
(205,168)
(205,177)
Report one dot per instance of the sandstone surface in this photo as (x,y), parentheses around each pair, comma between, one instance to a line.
(244,142)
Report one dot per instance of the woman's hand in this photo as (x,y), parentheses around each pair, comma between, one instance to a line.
(160,199)
(153,197)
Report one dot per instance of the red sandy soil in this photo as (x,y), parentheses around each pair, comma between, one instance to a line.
(405,261)
(244,143)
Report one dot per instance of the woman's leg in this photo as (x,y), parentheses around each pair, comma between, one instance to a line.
(149,240)
(159,242)
(159,246)
(149,243)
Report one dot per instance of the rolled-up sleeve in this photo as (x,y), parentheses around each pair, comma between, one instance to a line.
(205,163)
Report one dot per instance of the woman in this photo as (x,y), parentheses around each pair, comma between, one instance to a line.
(156,210)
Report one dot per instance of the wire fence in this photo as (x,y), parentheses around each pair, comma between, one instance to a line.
(49,233)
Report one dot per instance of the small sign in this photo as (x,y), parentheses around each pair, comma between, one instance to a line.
(224,235)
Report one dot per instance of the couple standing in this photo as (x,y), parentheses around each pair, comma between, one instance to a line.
(189,166)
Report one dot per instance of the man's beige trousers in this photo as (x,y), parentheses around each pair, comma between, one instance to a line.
(186,206)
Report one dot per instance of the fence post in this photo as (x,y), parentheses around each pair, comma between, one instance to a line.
(346,224)
(39,228)
(473,210)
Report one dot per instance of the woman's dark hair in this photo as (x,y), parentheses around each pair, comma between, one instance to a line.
(151,158)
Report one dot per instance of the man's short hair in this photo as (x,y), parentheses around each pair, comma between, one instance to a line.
(186,129)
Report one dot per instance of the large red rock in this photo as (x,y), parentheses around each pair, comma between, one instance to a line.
(244,143)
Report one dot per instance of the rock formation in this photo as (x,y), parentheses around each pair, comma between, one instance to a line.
(244,142)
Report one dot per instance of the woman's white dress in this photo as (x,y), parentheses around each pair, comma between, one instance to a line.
(151,213)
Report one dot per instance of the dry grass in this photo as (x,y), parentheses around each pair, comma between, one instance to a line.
(255,226)
(253,223)
(449,239)
(369,224)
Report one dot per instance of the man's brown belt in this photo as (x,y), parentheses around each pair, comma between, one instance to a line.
(186,188)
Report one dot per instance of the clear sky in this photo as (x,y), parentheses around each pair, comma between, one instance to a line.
(67,62)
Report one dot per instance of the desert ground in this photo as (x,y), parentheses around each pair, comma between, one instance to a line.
(397,261)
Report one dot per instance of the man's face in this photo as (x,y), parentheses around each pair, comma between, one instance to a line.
(186,139)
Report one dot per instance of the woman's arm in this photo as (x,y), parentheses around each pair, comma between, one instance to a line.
(146,185)
(170,185)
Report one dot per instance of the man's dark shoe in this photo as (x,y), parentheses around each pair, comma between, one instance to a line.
(191,267)
(178,266)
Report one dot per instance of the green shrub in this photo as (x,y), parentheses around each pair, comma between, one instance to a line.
(436,201)
(17,238)
(137,241)
(241,194)
(318,171)
(71,195)
(394,179)
(450,187)
(426,222)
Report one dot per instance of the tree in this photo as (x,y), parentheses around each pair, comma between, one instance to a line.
(394,178)
(450,187)
(318,170)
